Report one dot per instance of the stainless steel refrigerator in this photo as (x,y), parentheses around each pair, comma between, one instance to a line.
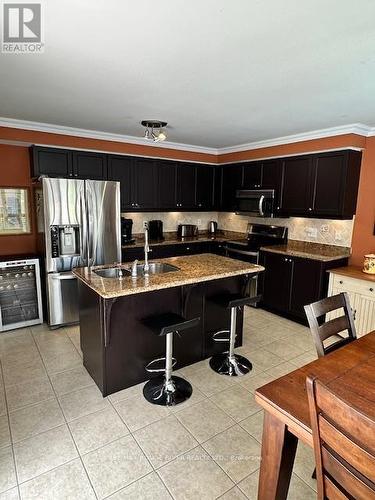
(82,228)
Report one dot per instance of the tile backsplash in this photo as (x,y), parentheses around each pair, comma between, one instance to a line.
(330,232)
(172,219)
(326,231)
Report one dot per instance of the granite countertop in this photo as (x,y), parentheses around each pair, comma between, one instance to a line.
(171,238)
(307,250)
(353,272)
(192,269)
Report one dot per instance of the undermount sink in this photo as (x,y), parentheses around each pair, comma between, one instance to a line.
(121,272)
(112,272)
(156,268)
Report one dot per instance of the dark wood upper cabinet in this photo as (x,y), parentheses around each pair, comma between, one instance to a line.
(271,174)
(231,180)
(145,184)
(167,178)
(205,187)
(252,175)
(296,186)
(335,183)
(321,185)
(120,169)
(87,165)
(53,162)
(186,185)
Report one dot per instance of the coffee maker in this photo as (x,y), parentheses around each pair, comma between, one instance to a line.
(155,230)
(126,231)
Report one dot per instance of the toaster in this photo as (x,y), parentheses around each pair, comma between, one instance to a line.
(187,230)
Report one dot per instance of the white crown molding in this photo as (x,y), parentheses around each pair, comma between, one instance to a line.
(103,136)
(355,128)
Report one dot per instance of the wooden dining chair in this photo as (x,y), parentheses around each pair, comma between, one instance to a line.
(344,445)
(331,329)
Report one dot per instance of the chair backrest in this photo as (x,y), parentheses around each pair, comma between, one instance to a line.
(333,327)
(344,445)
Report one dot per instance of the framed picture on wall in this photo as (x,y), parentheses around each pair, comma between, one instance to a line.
(14,211)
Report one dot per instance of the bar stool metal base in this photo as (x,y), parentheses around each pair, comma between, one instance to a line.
(235,366)
(158,392)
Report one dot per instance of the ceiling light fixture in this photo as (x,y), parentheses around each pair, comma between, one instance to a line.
(154,130)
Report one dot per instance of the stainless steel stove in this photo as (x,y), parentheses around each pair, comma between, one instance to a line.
(258,235)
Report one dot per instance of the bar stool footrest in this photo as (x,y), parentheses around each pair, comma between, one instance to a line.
(235,366)
(216,337)
(159,392)
(150,368)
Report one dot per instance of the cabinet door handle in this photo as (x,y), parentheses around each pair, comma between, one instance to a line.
(310,209)
(187,248)
(371,289)
(341,282)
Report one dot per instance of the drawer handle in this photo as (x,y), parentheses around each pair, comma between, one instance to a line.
(371,289)
(341,282)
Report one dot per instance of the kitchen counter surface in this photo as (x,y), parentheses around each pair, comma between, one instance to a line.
(353,272)
(307,250)
(171,238)
(192,269)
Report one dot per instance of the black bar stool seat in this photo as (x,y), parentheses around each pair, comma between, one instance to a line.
(167,390)
(229,363)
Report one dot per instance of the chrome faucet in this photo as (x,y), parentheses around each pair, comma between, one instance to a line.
(120,271)
(146,267)
(134,268)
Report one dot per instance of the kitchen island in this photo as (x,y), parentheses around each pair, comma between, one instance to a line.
(117,346)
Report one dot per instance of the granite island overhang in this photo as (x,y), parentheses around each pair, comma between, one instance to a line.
(115,343)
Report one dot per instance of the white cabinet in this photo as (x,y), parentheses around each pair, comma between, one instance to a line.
(361,293)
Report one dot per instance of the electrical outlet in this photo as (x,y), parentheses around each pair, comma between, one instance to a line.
(338,235)
(145,223)
(199,222)
(324,228)
(312,232)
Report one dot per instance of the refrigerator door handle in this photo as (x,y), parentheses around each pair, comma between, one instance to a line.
(91,229)
(84,228)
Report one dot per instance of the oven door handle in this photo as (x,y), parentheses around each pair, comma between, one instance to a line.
(242,252)
(261,200)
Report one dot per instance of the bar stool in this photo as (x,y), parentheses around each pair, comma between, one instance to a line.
(229,363)
(167,390)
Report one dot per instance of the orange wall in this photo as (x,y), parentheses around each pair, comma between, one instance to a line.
(15,171)
(363,234)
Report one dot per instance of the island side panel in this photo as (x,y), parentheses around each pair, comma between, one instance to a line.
(132,345)
(92,333)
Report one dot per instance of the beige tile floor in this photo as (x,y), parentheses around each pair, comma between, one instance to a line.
(59,439)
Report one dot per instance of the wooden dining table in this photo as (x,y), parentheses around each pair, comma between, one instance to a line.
(349,371)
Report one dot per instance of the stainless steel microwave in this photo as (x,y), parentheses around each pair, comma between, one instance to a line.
(255,202)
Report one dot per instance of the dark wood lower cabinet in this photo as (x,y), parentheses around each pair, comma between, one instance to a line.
(117,346)
(290,283)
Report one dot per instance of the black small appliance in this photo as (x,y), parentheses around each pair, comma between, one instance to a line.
(155,230)
(126,231)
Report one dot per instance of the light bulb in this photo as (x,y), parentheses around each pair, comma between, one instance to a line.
(162,136)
